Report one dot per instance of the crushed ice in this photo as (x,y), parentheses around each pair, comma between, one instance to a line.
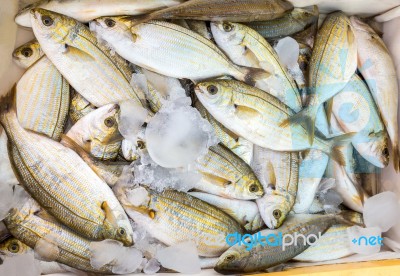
(131,119)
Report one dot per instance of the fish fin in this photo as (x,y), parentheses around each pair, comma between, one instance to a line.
(43,214)
(78,54)
(109,216)
(245,112)
(349,218)
(216,179)
(8,103)
(69,143)
(250,75)
(142,210)
(306,118)
(336,144)
(328,111)
(396,156)
(139,19)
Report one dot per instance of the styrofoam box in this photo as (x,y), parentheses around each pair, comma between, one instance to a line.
(387,12)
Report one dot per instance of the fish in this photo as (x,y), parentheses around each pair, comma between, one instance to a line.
(7,174)
(248,48)
(43,97)
(369,174)
(12,247)
(333,63)
(79,107)
(225,174)
(29,226)
(170,212)
(77,54)
(185,54)
(110,172)
(27,54)
(333,244)
(279,174)
(289,24)
(311,170)
(304,62)
(87,10)
(256,116)
(200,27)
(241,147)
(243,211)
(377,68)
(355,111)
(348,181)
(97,132)
(243,259)
(60,181)
(228,10)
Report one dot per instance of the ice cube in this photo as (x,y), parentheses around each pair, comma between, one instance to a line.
(365,240)
(151,267)
(182,257)
(131,119)
(137,196)
(382,210)
(169,88)
(20,265)
(288,51)
(177,137)
(123,259)
(11,196)
(7,176)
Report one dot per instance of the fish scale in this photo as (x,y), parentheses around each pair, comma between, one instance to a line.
(69,190)
(43,87)
(74,250)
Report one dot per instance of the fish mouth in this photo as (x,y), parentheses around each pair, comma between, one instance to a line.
(115,107)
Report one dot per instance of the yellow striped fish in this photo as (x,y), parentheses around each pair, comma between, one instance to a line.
(29,225)
(90,67)
(79,107)
(62,182)
(173,217)
(42,93)
(255,115)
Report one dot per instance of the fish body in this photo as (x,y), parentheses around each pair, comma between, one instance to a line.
(243,211)
(86,10)
(241,147)
(79,107)
(333,63)
(239,258)
(60,180)
(173,217)
(292,22)
(355,110)
(170,50)
(228,10)
(100,77)
(97,132)
(29,228)
(378,70)
(257,116)
(27,54)
(246,47)
(279,174)
(225,174)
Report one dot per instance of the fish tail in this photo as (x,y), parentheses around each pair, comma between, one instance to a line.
(306,118)
(8,105)
(396,156)
(349,218)
(250,75)
(335,147)
(139,19)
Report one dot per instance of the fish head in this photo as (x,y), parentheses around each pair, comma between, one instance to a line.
(228,34)
(307,14)
(112,29)
(249,186)
(215,95)
(375,150)
(274,209)
(104,124)
(12,247)
(233,260)
(363,31)
(27,54)
(52,26)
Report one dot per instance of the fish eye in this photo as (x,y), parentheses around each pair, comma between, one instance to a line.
(47,20)
(121,231)
(230,257)
(141,145)
(212,89)
(109,22)
(109,122)
(385,152)
(13,247)
(253,188)
(277,213)
(27,52)
(227,27)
